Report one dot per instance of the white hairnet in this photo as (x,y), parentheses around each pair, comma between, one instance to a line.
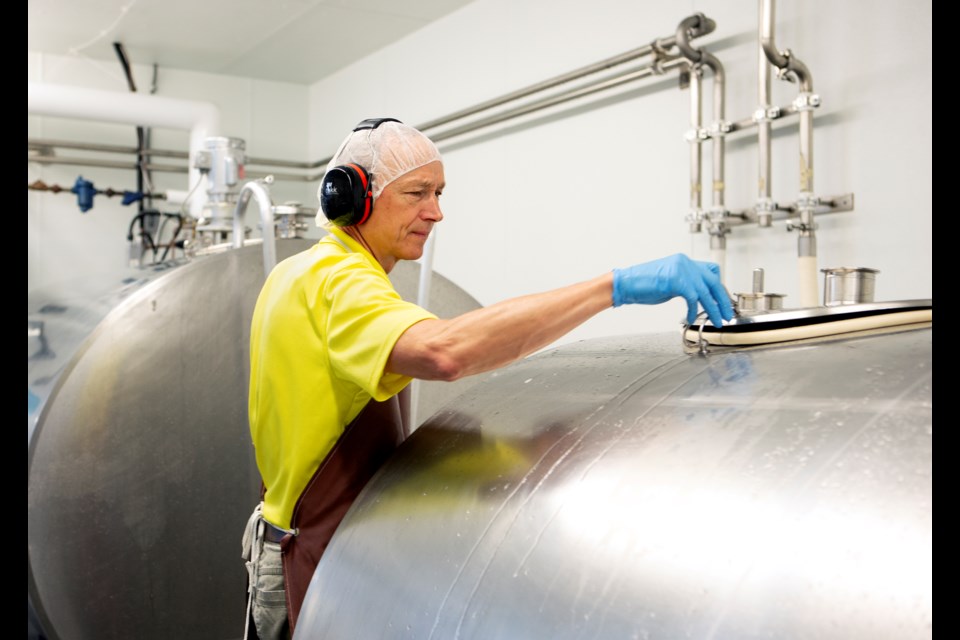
(386,152)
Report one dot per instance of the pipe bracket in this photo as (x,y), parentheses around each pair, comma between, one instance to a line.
(766,113)
(660,53)
(806,101)
(695,220)
(719,129)
(786,72)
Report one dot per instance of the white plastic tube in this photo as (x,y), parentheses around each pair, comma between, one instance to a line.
(202,119)
(809,296)
(176,196)
(720,257)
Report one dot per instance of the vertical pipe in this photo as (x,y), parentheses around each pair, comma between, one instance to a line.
(718,253)
(718,227)
(807,240)
(758,281)
(719,128)
(696,136)
(423,299)
(762,118)
(426,269)
(792,68)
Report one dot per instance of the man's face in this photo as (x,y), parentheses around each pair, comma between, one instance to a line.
(404,214)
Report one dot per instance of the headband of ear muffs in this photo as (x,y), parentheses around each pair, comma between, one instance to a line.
(346,192)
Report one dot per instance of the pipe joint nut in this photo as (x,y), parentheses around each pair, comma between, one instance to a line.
(806,101)
(764,210)
(717,216)
(765,205)
(695,221)
(766,113)
(803,227)
(786,71)
(720,128)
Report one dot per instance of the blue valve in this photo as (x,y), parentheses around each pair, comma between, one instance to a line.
(85,192)
(129,197)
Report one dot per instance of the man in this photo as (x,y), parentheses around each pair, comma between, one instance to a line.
(332,345)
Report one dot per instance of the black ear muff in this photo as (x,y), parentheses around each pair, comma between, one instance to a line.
(346,197)
(346,192)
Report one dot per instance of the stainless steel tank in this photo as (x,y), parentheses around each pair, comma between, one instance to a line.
(140,471)
(627,488)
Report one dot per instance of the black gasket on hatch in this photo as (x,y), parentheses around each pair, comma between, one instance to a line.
(768,325)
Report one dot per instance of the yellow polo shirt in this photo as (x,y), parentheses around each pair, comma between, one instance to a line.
(323,327)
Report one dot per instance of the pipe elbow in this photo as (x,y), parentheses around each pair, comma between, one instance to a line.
(257,189)
(683,34)
(774,56)
(711,61)
(802,73)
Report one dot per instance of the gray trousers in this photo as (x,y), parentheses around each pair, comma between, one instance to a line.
(266,596)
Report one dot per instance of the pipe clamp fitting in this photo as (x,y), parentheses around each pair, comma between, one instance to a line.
(806,101)
(766,114)
(720,128)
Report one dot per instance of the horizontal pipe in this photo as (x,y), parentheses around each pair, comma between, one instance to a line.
(735,127)
(201,119)
(35,143)
(165,168)
(646,50)
(579,92)
(658,46)
(668,63)
(123,108)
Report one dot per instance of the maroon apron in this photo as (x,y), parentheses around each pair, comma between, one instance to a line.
(362,448)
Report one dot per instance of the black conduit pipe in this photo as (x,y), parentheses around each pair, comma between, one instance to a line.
(121,53)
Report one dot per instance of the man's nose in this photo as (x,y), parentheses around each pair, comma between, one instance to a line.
(433,209)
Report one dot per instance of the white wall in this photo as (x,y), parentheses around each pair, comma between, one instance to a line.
(601,183)
(67,245)
(568,193)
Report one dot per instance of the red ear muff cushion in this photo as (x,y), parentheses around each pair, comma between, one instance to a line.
(345,195)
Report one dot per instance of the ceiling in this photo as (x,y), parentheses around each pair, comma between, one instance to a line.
(297,41)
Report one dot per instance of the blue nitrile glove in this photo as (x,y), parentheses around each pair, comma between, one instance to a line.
(677,275)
